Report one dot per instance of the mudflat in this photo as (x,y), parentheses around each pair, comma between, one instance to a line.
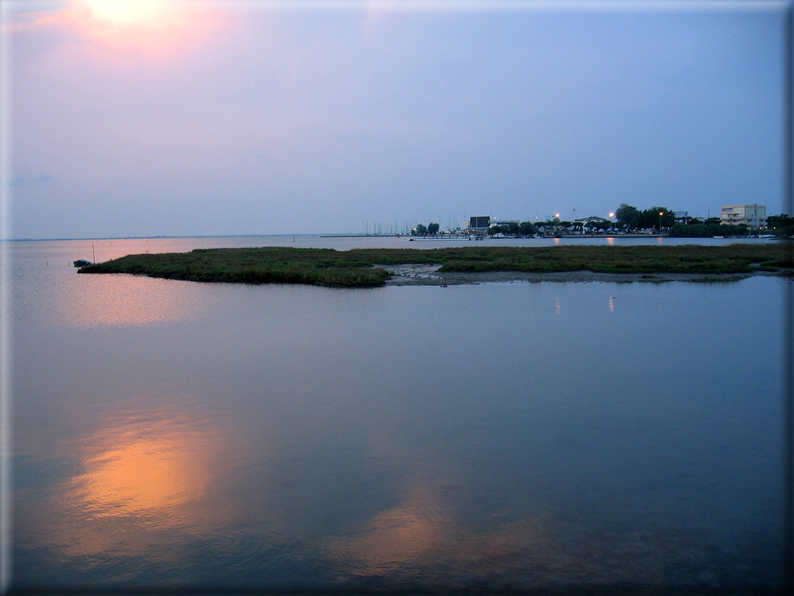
(432,275)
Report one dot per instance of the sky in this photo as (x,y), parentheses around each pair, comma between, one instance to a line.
(158,118)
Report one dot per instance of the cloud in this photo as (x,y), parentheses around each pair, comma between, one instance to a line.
(30,179)
(31,11)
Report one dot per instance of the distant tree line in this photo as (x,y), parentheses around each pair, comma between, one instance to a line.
(781,225)
(424,230)
(525,228)
(630,218)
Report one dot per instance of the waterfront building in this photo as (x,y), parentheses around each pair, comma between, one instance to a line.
(478,224)
(753,216)
(482,221)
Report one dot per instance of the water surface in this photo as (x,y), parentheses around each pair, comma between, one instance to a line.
(523,435)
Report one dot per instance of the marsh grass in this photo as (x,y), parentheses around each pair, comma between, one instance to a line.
(367,267)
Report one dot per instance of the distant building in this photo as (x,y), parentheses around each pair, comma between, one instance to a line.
(753,216)
(482,223)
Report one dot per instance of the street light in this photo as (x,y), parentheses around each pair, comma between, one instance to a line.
(611,223)
(660,221)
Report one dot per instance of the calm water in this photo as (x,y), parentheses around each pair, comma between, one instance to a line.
(499,435)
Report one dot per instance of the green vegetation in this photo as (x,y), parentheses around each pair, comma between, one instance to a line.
(251,265)
(781,225)
(527,228)
(703,230)
(631,218)
(364,267)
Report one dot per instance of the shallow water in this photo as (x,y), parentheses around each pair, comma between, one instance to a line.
(501,435)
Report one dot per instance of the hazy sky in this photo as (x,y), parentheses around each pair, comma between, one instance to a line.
(166,118)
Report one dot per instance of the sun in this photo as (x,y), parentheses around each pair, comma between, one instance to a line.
(132,31)
(140,29)
(146,13)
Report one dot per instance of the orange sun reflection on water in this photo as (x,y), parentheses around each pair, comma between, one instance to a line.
(398,536)
(128,301)
(141,474)
(137,465)
(427,536)
(151,472)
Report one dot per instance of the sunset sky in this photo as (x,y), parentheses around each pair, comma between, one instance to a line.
(211,118)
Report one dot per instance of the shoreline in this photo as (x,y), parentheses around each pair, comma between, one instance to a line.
(429,275)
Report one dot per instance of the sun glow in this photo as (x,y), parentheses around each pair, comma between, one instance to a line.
(140,28)
(139,12)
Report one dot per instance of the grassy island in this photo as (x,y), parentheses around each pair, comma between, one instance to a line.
(370,267)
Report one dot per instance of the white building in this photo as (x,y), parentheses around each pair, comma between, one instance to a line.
(753,216)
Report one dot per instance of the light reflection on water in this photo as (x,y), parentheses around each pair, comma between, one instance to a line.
(126,300)
(139,476)
(399,536)
(495,435)
(151,469)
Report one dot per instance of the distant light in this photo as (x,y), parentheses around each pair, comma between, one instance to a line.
(556,215)
(611,214)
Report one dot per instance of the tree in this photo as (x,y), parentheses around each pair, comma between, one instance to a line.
(513,228)
(432,228)
(421,230)
(526,228)
(782,225)
(650,217)
(628,217)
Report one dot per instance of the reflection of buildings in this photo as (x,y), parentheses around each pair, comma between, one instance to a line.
(753,216)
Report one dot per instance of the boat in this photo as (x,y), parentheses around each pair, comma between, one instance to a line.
(82,263)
